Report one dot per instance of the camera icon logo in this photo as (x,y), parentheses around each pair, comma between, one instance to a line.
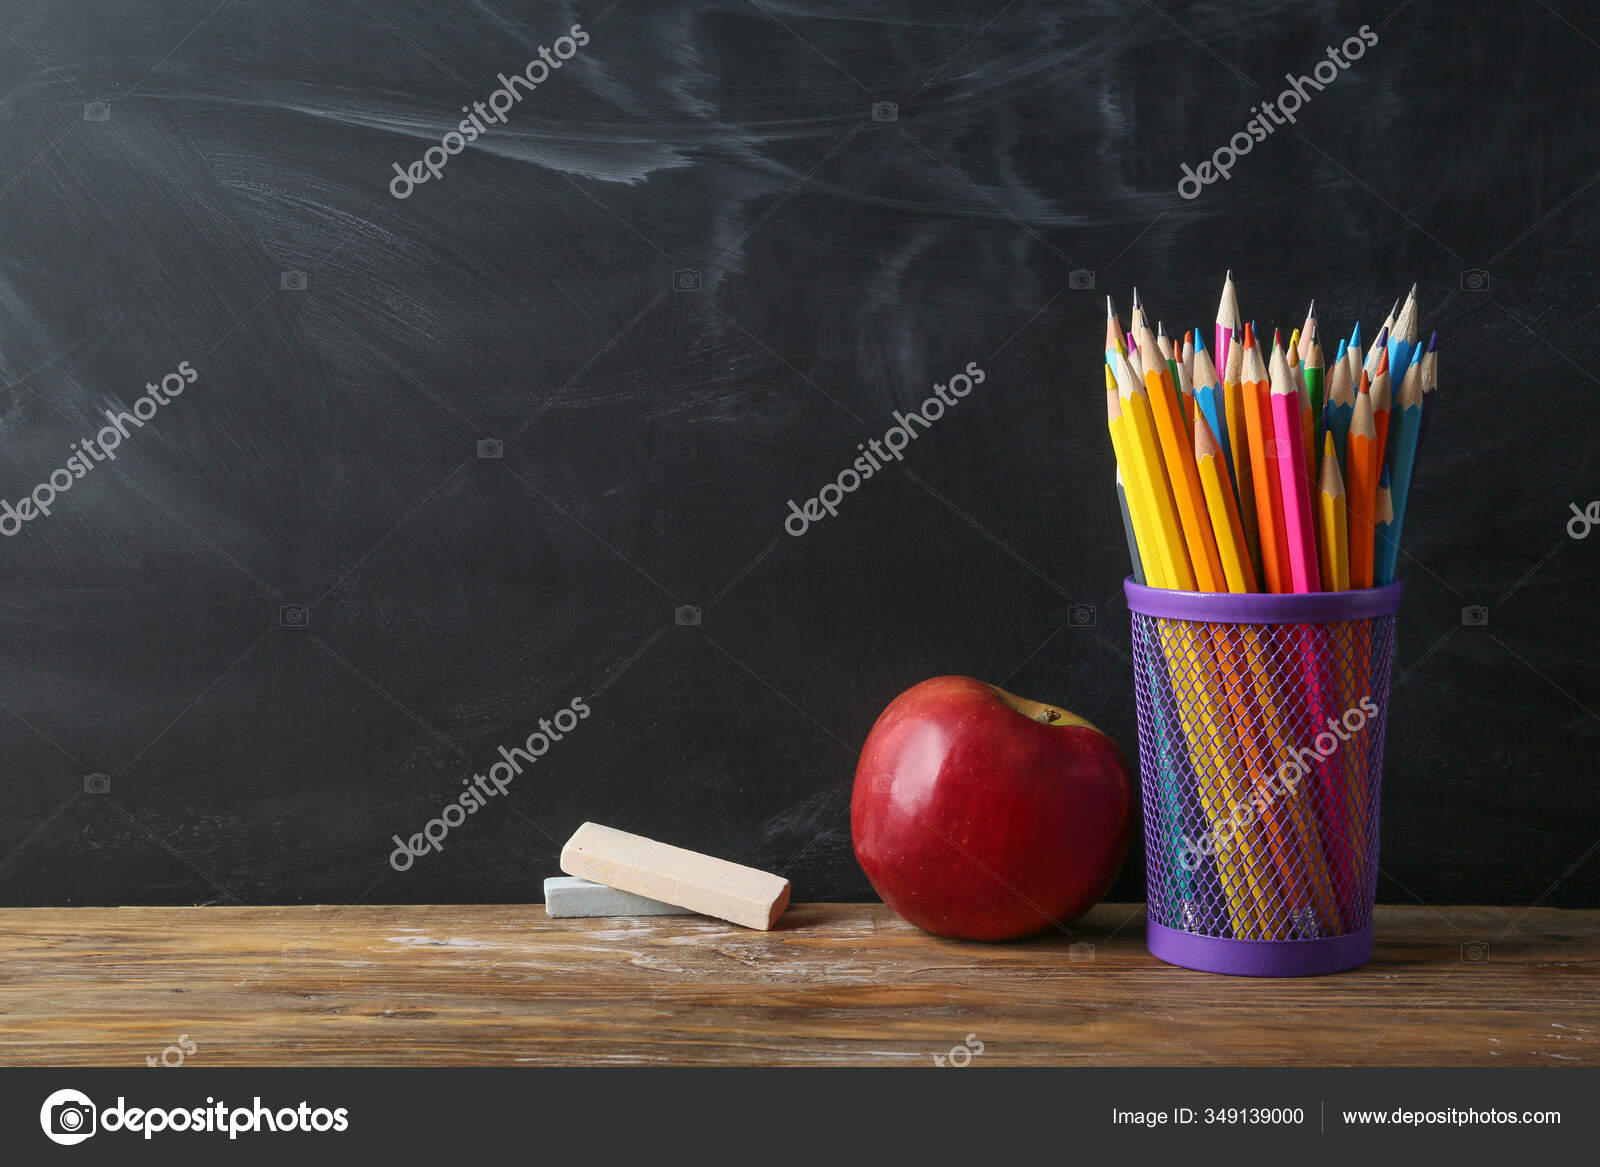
(67,1117)
(1475,616)
(686,280)
(97,783)
(294,616)
(292,281)
(1474,952)
(97,111)
(1081,615)
(491,448)
(1080,951)
(1080,279)
(686,616)
(885,111)
(882,783)
(1474,279)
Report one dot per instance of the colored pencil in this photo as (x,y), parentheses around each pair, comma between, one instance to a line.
(1308,332)
(1134,561)
(1178,456)
(1339,407)
(1171,557)
(1180,376)
(1405,426)
(1315,373)
(1361,489)
(1269,502)
(1229,322)
(1239,450)
(1290,463)
(1335,544)
(1211,463)
(1353,355)
(1403,337)
(1114,341)
(1382,402)
(1209,401)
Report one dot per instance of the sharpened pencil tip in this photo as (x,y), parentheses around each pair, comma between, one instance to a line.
(1433,342)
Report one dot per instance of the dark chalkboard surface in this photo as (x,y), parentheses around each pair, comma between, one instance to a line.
(529,434)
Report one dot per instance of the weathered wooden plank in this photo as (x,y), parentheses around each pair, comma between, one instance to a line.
(833,984)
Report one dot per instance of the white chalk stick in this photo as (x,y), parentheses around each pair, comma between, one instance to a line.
(566,897)
(701,883)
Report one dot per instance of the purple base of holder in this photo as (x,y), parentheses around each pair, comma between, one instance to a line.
(1259,958)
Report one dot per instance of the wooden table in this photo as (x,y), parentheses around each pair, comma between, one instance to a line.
(835,984)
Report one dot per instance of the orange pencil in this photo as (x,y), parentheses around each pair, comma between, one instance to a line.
(1382,401)
(1178,455)
(1239,451)
(1361,489)
(1264,481)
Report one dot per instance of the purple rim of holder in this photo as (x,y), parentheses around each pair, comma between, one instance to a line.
(1261,958)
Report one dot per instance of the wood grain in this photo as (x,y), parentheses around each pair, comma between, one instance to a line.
(834,984)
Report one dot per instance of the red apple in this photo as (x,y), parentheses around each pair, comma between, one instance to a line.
(981,815)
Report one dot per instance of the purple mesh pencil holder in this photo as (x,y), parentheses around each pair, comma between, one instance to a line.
(1261,722)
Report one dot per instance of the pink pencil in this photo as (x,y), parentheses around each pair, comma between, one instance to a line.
(1290,459)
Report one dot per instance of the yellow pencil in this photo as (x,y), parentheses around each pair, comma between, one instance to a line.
(1140,511)
(1334,527)
(1213,470)
(1178,456)
(1145,455)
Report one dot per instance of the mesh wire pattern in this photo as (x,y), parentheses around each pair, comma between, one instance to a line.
(1261,750)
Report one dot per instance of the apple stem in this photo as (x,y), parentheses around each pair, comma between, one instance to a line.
(1050,715)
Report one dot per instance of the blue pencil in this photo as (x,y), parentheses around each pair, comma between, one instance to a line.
(1209,401)
(1405,432)
(1403,338)
(1340,405)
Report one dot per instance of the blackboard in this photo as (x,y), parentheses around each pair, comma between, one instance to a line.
(528,435)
